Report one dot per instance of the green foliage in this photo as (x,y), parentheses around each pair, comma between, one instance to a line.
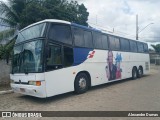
(20,13)
(6,50)
(6,33)
(156,48)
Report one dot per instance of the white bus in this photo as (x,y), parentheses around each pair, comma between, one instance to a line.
(53,57)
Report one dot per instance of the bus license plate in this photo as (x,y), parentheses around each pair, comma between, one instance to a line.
(22,89)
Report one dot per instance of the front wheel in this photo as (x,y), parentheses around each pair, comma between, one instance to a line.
(81,83)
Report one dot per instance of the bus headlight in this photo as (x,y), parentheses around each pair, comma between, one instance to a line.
(36,83)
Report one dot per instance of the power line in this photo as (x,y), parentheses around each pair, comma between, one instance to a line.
(111,29)
(115,31)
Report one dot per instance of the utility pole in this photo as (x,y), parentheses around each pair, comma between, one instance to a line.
(140,30)
(137,27)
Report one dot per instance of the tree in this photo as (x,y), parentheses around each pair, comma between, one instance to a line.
(156,48)
(6,50)
(20,13)
(6,34)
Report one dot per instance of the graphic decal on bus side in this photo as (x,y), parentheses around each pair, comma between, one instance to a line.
(82,54)
(113,71)
(91,54)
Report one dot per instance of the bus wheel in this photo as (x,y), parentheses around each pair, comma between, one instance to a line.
(134,73)
(140,72)
(81,83)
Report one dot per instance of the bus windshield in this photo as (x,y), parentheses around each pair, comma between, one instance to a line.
(28,33)
(27,57)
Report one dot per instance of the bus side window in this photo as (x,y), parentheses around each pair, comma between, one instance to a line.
(133,46)
(97,38)
(124,44)
(68,56)
(104,42)
(54,59)
(145,48)
(88,39)
(114,43)
(78,37)
(60,33)
(140,47)
(117,43)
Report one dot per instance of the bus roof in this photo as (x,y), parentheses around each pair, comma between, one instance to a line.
(77,25)
(85,27)
(61,21)
(47,20)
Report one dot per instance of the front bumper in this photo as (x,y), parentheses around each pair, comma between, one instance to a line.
(37,91)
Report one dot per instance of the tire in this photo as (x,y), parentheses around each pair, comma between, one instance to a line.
(81,83)
(134,73)
(140,72)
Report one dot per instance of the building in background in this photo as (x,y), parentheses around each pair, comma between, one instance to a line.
(154,58)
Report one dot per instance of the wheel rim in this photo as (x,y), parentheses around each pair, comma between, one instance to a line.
(140,72)
(82,83)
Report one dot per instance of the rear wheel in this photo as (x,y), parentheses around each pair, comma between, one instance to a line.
(140,72)
(134,73)
(81,83)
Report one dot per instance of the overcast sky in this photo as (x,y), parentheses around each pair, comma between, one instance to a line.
(121,15)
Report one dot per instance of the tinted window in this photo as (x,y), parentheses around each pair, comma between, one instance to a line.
(88,39)
(117,44)
(111,42)
(61,33)
(133,46)
(97,40)
(114,43)
(78,37)
(54,59)
(124,44)
(68,56)
(140,47)
(31,32)
(145,48)
(104,42)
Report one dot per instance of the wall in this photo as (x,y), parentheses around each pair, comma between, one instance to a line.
(155,59)
(4,73)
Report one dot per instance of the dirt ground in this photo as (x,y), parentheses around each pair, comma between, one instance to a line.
(126,95)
